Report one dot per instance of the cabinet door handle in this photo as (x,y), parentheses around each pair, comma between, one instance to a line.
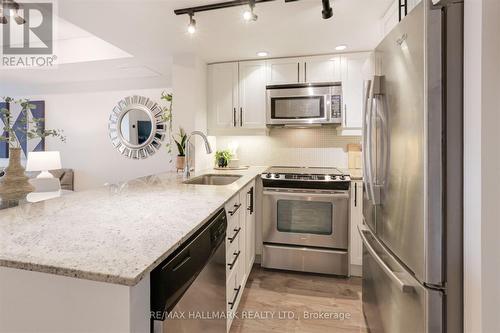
(236,207)
(298,72)
(250,207)
(345,115)
(231,239)
(236,256)
(305,71)
(241,117)
(355,194)
(234,117)
(235,297)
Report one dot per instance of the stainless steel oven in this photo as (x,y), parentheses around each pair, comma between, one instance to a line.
(304,104)
(306,221)
(306,217)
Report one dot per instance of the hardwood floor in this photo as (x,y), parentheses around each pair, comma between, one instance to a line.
(280,302)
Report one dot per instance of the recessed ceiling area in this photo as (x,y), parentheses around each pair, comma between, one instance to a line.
(150,32)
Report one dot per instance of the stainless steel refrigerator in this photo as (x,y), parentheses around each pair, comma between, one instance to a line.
(412,146)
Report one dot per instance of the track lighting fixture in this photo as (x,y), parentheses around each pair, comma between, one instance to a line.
(192,24)
(10,8)
(249,14)
(327,9)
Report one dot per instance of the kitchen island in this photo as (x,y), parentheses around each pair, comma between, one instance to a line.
(81,263)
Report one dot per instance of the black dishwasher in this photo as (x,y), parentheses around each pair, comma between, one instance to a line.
(188,290)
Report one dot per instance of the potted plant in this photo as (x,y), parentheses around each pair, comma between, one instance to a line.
(181,148)
(15,185)
(222,158)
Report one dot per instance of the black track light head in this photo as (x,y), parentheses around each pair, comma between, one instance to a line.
(327,9)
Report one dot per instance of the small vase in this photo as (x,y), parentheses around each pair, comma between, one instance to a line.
(15,184)
(222,163)
(180,163)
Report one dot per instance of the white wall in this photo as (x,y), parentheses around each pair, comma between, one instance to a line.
(482,164)
(292,147)
(88,149)
(83,115)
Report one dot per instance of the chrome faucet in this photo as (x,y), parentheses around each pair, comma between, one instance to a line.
(187,168)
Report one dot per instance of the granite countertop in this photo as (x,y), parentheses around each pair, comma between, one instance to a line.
(115,234)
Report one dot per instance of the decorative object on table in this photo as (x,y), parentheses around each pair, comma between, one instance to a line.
(354,156)
(222,158)
(168,118)
(44,161)
(16,133)
(234,162)
(181,148)
(137,127)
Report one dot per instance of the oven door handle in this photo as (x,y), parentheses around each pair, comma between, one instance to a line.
(335,195)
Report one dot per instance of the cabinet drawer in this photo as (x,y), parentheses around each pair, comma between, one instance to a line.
(234,290)
(234,257)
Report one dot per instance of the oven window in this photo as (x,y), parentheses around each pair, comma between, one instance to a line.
(307,217)
(303,107)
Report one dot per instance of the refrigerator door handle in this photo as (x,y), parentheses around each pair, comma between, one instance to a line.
(366,139)
(396,277)
(369,144)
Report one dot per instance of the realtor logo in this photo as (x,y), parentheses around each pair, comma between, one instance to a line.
(27,34)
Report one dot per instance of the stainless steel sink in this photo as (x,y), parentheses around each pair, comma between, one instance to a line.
(213,179)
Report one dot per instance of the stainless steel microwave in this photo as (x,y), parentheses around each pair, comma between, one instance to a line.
(304,104)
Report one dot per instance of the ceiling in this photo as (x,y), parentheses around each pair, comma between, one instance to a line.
(152,34)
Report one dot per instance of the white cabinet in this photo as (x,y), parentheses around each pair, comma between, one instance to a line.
(247,195)
(356,245)
(284,71)
(322,69)
(223,95)
(252,94)
(355,70)
(236,96)
(240,245)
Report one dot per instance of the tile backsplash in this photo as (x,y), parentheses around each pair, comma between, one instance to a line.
(320,147)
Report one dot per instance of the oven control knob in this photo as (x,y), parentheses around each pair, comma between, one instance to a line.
(268,175)
(342,177)
(276,176)
(333,177)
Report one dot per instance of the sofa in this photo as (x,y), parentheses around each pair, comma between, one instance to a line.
(65,176)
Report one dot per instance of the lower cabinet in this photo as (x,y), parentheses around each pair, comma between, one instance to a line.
(240,246)
(356,245)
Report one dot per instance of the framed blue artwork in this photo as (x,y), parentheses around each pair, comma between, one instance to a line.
(20,128)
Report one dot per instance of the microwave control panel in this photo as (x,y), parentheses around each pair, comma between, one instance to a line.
(336,107)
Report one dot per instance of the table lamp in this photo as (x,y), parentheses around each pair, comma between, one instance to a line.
(44,161)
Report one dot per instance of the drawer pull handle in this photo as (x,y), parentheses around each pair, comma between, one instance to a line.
(235,297)
(237,255)
(236,207)
(231,239)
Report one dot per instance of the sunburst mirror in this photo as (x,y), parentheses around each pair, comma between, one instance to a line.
(136,127)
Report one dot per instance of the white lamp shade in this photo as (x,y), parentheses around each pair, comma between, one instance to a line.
(43,161)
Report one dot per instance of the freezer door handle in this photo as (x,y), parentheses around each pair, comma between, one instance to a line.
(396,277)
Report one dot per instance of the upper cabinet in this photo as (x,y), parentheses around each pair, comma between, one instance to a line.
(236,96)
(284,71)
(322,69)
(356,68)
(252,94)
(237,90)
(223,95)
